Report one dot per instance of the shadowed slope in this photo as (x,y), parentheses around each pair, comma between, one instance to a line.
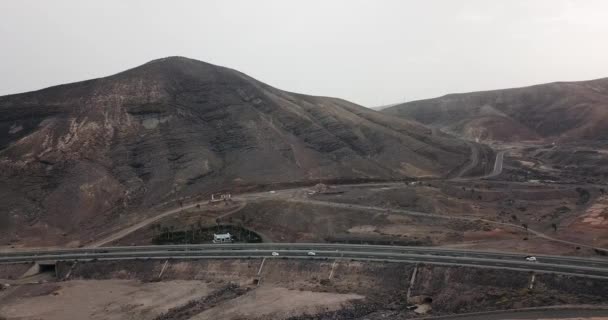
(76,155)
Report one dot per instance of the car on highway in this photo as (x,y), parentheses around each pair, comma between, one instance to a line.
(531,259)
(311,253)
(274,253)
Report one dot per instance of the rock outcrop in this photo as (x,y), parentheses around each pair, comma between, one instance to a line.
(74,156)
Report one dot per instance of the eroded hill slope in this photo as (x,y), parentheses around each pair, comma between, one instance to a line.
(569,111)
(73,157)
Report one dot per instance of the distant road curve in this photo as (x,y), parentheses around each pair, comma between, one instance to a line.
(498,163)
(474,160)
(497,170)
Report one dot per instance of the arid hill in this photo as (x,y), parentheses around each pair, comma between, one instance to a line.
(74,156)
(566,111)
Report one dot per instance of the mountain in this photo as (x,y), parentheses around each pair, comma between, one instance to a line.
(379,108)
(75,157)
(561,111)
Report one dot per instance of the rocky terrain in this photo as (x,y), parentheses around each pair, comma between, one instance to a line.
(75,157)
(132,158)
(286,289)
(492,213)
(561,111)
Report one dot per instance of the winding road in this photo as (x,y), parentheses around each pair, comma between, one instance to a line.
(496,170)
(473,162)
(121,233)
(431,255)
(288,195)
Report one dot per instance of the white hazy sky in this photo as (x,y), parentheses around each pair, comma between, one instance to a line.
(371,52)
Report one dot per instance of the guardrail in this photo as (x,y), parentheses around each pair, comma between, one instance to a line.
(568,265)
(311,246)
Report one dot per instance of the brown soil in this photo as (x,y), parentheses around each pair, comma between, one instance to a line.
(333,215)
(11,271)
(97,299)
(92,153)
(277,303)
(287,289)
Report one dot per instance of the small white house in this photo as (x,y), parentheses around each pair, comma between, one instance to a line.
(222,237)
(216,197)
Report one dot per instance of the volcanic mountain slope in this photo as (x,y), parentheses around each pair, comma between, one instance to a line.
(74,156)
(567,111)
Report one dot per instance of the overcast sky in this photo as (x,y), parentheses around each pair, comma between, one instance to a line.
(370,52)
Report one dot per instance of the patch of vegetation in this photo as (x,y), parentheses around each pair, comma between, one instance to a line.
(583,196)
(196,234)
(600,252)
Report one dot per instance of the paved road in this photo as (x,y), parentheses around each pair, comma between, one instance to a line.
(485,259)
(573,313)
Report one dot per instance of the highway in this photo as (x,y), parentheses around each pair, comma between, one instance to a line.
(431,255)
(452,257)
(553,312)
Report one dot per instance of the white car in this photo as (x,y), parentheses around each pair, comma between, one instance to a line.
(272,192)
(275,253)
(531,258)
(311,253)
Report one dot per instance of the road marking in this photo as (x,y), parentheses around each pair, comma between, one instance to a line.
(163,269)
(374,253)
(67,276)
(261,265)
(532,281)
(412,280)
(333,266)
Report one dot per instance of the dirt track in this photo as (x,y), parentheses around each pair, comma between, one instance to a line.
(473,162)
(300,195)
(124,232)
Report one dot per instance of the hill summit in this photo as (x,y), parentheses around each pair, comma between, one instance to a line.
(74,156)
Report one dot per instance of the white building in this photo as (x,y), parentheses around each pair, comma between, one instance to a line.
(222,237)
(216,197)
